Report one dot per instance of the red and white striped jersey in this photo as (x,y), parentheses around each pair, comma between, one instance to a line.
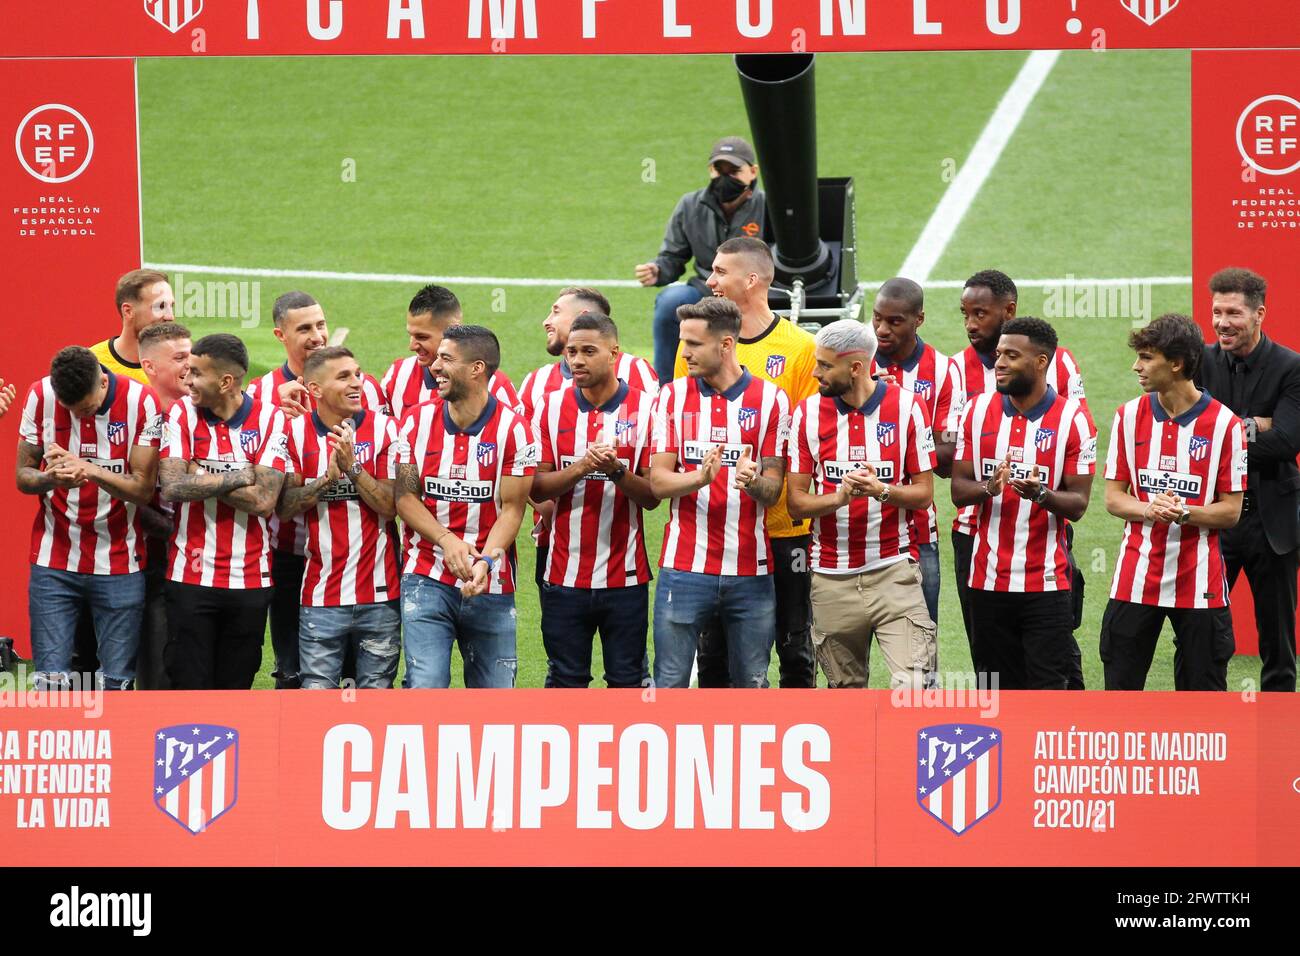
(351,554)
(1200,456)
(976,371)
(407,383)
(539,383)
(460,480)
(1020,546)
(719,529)
(87,530)
(214,544)
(597,540)
(291,536)
(829,439)
(931,377)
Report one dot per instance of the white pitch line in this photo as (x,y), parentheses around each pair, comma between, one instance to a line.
(385,276)
(597,283)
(984,155)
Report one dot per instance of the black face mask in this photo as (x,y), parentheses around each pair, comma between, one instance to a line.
(727,189)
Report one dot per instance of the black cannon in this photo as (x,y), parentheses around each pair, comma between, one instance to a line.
(810,223)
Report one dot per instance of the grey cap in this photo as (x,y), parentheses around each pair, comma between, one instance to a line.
(734,150)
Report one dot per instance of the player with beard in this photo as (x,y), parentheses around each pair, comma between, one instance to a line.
(537,384)
(917,367)
(868,446)
(1025,459)
(988,302)
(719,453)
(465,467)
(727,207)
(223,464)
(594,443)
(411,381)
(1175,473)
(143,297)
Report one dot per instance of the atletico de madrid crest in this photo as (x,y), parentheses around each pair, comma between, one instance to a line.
(363,450)
(923,387)
(959,773)
(1198,447)
(250,439)
(746,418)
(775,366)
(885,433)
(1149,11)
(196,773)
(116,432)
(487,454)
(1044,439)
(173,14)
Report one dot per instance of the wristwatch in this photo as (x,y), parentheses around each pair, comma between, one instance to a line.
(617,474)
(885,492)
(1183,516)
(1039,498)
(355,470)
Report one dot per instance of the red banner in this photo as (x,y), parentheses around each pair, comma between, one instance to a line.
(674,777)
(1246,200)
(69,189)
(275,27)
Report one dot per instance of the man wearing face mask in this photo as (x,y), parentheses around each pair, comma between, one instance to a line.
(730,205)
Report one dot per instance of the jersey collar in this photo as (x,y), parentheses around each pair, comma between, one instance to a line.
(108,395)
(430,382)
(235,420)
(610,406)
(871,405)
(489,410)
(732,393)
(322,430)
(1035,413)
(985,360)
(566,373)
(1186,418)
(913,360)
(764,334)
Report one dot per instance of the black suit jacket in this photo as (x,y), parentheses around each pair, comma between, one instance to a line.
(1272,390)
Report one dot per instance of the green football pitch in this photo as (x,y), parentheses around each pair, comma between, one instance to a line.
(503,170)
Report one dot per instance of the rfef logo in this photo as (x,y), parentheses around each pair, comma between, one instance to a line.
(959,773)
(54,143)
(173,14)
(1268,134)
(196,773)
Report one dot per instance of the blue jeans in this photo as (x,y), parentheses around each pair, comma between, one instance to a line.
(665,326)
(54,604)
(435,616)
(570,617)
(929,561)
(325,633)
(744,610)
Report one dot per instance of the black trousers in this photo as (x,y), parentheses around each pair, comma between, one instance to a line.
(1026,639)
(214,636)
(1272,579)
(963,544)
(287,570)
(150,669)
(794,647)
(1203,645)
(571,618)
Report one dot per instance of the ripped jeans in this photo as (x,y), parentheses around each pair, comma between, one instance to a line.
(435,616)
(324,633)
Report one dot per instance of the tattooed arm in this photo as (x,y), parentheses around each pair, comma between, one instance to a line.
(258,498)
(180,483)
